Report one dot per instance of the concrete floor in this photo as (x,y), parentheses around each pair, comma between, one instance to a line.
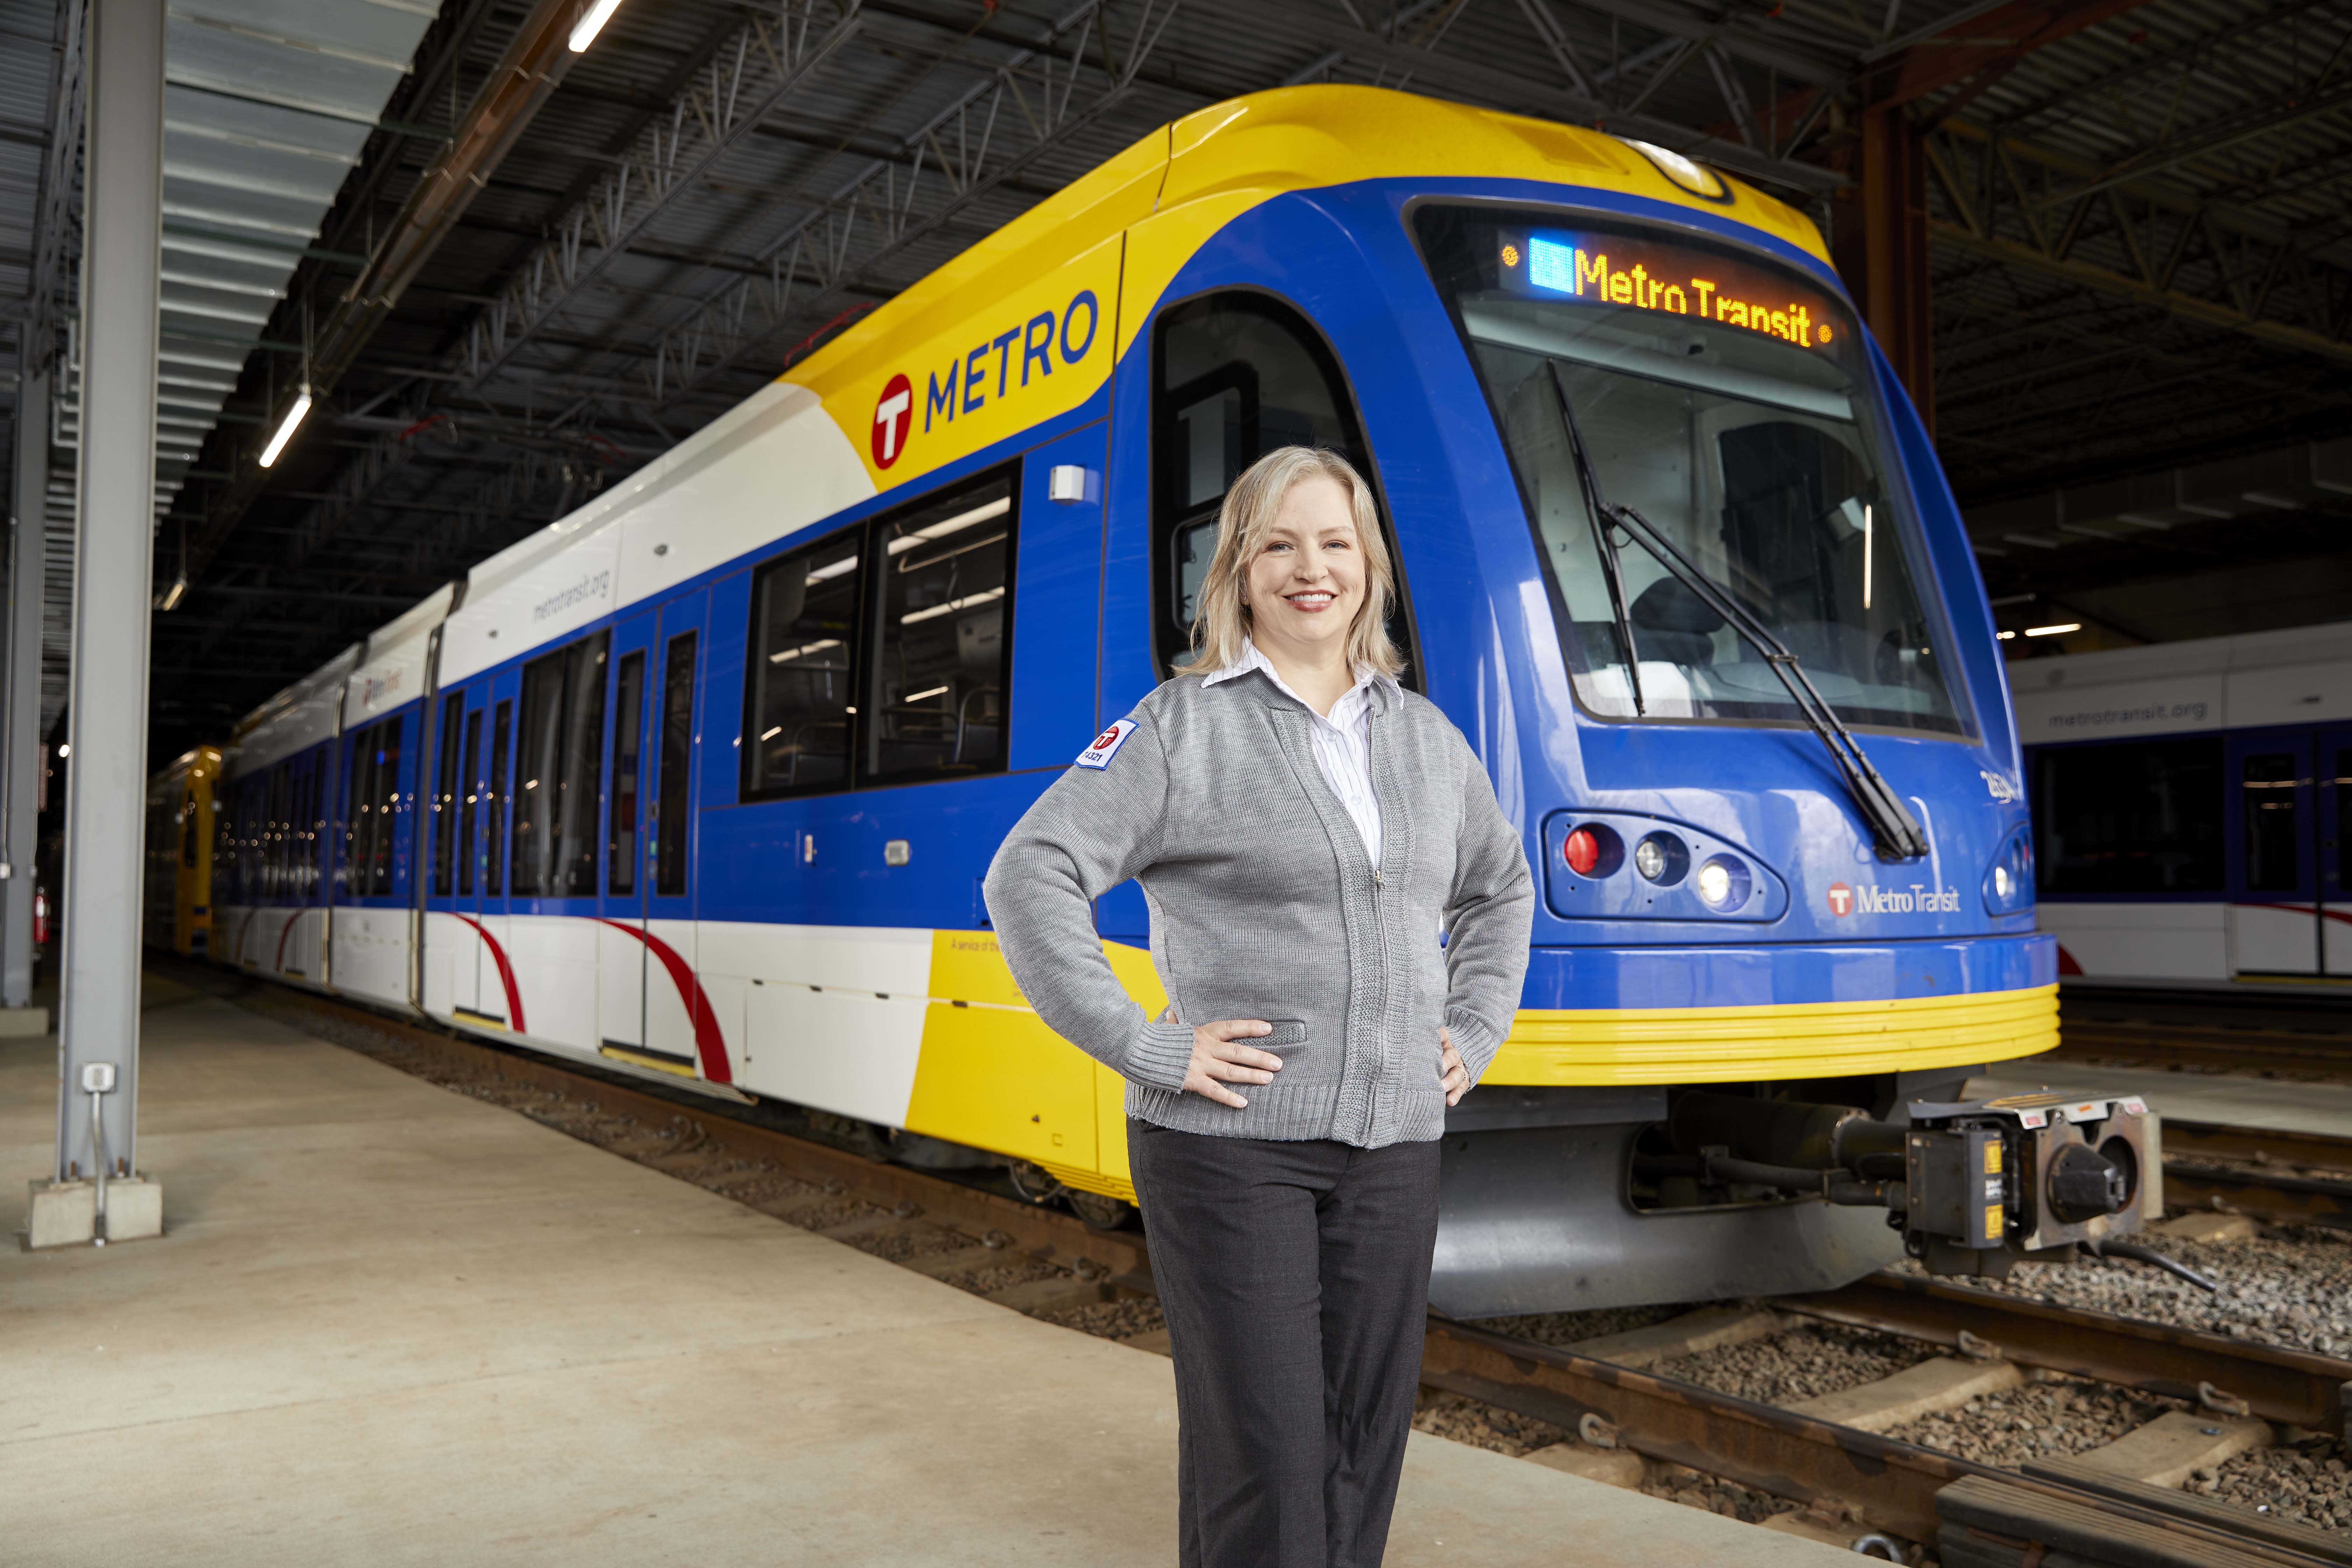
(389,1324)
(2233,1099)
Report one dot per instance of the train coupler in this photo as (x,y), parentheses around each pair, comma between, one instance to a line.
(1973,1186)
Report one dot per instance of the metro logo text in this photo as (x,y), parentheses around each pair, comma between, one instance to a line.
(1007,361)
(1916,898)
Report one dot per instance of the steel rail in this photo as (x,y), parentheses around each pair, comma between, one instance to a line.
(2298,1388)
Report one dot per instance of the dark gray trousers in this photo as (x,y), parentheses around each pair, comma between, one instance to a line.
(1295,1279)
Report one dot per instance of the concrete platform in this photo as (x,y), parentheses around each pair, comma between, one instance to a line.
(2233,1099)
(389,1324)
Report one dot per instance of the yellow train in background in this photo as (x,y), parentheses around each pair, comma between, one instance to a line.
(178,903)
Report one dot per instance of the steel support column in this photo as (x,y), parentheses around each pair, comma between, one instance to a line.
(20,680)
(113,563)
(1881,247)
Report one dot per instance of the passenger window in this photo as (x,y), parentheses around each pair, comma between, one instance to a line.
(2139,816)
(444,797)
(1239,374)
(281,824)
(628,739)
(472,785)
(188,829)
(494,872)
(799,699)
(946,568)
(673,813)
(376,796)
(2270,800)
(557,763)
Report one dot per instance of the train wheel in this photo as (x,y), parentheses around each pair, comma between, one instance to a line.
(1099,1210)
(1033,1182)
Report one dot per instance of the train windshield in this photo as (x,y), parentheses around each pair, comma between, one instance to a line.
(1727,401)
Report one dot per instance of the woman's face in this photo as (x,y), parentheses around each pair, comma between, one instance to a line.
(1308,580)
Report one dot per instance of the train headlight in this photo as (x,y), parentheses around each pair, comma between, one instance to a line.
(1662,858)
(1724,883)
(2009,880)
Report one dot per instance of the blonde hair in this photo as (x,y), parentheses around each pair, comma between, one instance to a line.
(1221,620)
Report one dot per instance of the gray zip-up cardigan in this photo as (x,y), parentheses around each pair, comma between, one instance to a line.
(1263,905)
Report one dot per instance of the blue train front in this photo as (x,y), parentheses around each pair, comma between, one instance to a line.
(1753,724)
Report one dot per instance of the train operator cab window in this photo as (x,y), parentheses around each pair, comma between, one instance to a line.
(1238,375)
(558,760)
(374,801)
(881,653)
(2133,816)
(1727,399)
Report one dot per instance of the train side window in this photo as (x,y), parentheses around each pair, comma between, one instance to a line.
(282,827)
(2343,781)
(2268,786)
(472,783)
(557,763)
(628,740)
(494,871)
(374,800)
(672,813)
(444,797)
(799,701)
(2137,817)
(188,829)
(942,655)
(1237,375)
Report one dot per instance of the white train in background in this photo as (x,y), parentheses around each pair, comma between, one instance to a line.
(2192,808)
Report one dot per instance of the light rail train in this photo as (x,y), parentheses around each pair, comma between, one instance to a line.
(701,780)
(2193,802)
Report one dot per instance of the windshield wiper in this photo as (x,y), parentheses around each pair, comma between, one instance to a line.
(1897,833)
(1603,540)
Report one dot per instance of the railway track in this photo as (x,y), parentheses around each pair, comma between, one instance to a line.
(1973,1515)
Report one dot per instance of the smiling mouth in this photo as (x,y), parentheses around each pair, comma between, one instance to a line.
(1317,600)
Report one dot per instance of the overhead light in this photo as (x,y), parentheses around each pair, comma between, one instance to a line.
(286,427)
(584,31)
(2052,631)
(63,749)
(174,594)
(2005,637)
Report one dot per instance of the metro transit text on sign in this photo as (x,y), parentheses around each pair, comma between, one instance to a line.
(995,369)
(1645,278)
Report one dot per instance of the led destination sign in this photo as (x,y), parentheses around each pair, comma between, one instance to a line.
(1668,279)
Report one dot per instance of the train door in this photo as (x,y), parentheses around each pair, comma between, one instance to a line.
(620,931)
(2334,826)
(679,1029)
(2275,923)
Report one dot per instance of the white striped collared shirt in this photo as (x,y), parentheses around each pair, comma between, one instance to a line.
(1343,742)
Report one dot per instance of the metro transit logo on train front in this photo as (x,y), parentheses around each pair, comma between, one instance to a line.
(989,386)
(1917,898)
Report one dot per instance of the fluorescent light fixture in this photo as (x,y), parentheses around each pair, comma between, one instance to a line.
(174,594)
(923,695)
(951,607)
(2006,637)
(584,31)
(994,509)
(63,749)
(287,426)
(1866,555)
(2052,631)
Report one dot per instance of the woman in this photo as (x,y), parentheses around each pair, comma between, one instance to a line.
(1303,828)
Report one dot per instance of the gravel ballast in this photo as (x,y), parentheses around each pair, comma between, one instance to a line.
(2290,1288)
(2306,1484)
(1803,1363)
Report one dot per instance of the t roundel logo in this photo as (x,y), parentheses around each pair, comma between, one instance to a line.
(1108,737)
(1841,899)
(892,414)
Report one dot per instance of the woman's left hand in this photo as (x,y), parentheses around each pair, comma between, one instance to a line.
(1453,1076)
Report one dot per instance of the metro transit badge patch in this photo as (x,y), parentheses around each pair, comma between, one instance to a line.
(1106,745)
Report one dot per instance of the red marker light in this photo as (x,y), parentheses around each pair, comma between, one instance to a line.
(1583,852)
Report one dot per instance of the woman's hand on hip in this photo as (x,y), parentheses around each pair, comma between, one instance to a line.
(1453,1075)
(1221,1056)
